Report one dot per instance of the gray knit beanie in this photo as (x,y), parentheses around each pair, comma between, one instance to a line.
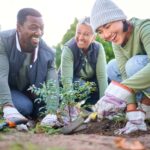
(105,11)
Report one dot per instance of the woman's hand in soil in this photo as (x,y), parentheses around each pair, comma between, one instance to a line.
(114,100)
(135,123)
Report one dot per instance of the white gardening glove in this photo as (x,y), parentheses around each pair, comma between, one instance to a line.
(12,114)
(22,128)
(50,120)
(70,114)
(103,108)
(114,100)
(135,123)
(146,108)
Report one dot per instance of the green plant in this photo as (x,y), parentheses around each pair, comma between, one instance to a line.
(49,94)
(77,93)
(118,118)
(46,129)
(107,47)
(83,91)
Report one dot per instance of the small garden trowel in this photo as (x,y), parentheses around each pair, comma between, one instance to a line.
(79,124)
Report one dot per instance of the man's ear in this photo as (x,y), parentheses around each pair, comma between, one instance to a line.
(18,27)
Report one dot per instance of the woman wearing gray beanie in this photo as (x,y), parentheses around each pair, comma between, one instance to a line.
(131,68)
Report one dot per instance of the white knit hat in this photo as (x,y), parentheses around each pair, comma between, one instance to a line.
(105,11)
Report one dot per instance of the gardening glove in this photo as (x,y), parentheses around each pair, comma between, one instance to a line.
(22,128)
(135,122)
(91,117)
(146,109)
(51,120)
(114,100)
(12,114)
(70,114)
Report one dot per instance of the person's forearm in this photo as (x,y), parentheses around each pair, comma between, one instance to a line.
(5,95)
(101,72)
(67,68)
(140,80)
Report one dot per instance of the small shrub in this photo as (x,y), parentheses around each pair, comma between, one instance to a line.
(49,93)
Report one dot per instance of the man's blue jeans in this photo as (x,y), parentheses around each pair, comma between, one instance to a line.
(132,66)
(25,105)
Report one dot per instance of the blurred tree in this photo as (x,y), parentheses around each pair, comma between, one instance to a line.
(70,32)
(108,48)
(68,35)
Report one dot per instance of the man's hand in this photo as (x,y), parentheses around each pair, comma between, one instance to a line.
(51,120)
(11,114)
(13,119)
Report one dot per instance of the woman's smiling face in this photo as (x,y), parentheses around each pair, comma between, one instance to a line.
(113,32)
(84,36)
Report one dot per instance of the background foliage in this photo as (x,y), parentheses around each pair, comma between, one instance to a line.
(70,33)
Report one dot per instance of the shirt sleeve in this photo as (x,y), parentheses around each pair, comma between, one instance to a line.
(121,61)
(141,79)
(66,67)
(101,71)
(5,95)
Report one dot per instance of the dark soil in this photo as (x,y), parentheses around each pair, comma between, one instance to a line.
(98,135)
(107,127)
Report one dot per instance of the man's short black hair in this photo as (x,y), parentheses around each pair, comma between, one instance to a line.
(23,13)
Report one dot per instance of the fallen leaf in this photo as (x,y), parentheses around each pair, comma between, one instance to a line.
(123,144)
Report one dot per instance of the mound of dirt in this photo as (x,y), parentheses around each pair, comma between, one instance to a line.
(107,127)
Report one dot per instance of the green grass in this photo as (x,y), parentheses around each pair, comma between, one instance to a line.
(21,146)
(46,129)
